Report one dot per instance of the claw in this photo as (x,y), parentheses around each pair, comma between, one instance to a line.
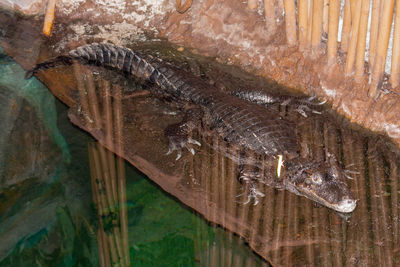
(194,142)
(302,112)
(169,151)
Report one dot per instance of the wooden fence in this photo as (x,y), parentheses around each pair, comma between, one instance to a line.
(363,27)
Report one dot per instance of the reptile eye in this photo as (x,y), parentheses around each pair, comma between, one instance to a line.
(316,178)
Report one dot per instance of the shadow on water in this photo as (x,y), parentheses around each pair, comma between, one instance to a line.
(283,228)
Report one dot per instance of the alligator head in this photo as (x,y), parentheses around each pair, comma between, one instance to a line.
(323,182)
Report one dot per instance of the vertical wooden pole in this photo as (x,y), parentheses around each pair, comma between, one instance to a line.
(381,49)
(334,6)
(252,4)
(316,23)
(373,32)
(361,40)
(303,20)
(310,21)
(346,27)
(83,97)
(353,37)
(290,21)
(104,255)
(325,18)
(119,149)
(269,12)
(395,71)
(49,17)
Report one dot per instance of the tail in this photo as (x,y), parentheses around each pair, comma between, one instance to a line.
(106,55)
(123,59)
(58,61)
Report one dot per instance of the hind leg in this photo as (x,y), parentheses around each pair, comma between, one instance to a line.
(178,134)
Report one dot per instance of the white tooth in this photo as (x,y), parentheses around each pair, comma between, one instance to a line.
(178,156)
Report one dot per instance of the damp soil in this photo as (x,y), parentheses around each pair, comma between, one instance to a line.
(283,228)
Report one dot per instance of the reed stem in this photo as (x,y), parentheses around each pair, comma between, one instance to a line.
(303,21)
(252,4)
(290,21)
(269,11)
(344,45)
(351,54)
(317,22)
(334,6)
(49,17)
(83,100)
(310,21)
(373,32)
(382,46)
(395,71)
(325,17)
(118,126)
(361,40)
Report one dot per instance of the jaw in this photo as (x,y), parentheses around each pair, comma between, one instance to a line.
(346,205)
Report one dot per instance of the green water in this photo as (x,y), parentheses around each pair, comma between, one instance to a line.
(47,217)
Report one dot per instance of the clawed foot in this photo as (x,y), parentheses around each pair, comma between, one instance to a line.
(303,109)
(253,194)
(178,145)
(250,186)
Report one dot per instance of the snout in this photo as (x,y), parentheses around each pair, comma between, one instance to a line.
(346,205)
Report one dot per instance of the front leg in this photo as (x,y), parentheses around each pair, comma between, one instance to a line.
(178,134)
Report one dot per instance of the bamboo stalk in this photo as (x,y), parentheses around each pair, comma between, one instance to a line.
(83,100)
(118,126)
(101,238)
(395,71)
(102,206)
(346,27)
(361,40)
(382,46)
(334,8)
(290,21)
(325,17)
(49,17)
(377,231)
(384,212)
(269,12)
(373,33)
(361,188)
(303,20)
(353,38)
(109,138)
(267,228)
(252,4)
(317,23)
(338,237)
(92,97)
(310,21)
(321,215)
(290,232)
(394,186)
(110,184)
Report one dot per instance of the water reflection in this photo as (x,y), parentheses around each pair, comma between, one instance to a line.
(102,113)
(107,171)
(283,228)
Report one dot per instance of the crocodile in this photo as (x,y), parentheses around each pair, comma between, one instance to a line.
(236,120)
